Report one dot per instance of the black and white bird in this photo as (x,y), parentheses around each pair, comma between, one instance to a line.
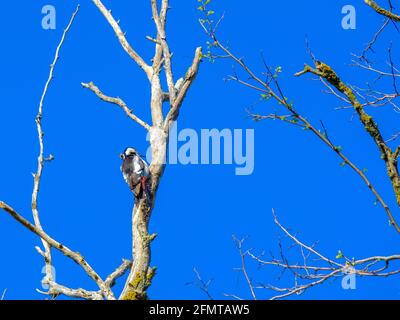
(136,173)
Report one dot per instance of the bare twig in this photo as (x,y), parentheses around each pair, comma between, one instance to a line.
(203,285)
(374,39)
(392,69)
(323,268)
(187,82)
(333,92)
(243,268)
(165,48)
(282,100)
(316,268)
(122,39)
(393,138)
(41,159)
(48,242)
(310,249)
(367,66)
(75,256)
(56,289)
(233,296)
(3,294)
(117,101)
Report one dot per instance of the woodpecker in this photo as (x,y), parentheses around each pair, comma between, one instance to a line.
(136,173)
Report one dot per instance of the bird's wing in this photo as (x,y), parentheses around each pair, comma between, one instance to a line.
(141,167)
(138,166)
(127,170)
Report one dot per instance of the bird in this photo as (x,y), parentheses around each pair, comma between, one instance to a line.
(136,173)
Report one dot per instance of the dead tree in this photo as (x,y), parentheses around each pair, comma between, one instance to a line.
(140,272)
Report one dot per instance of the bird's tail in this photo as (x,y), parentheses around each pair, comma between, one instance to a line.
(142,191)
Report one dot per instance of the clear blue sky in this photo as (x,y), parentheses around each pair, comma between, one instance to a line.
(84,201)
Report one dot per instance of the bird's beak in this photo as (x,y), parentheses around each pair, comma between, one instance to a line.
(122,156)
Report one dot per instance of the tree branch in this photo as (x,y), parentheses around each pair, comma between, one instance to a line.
(122,39)
(326,72)
(117,101)
(283,100)
(202,285)
(3,295)
(317,268)
(119,272)
(165,48)
(56,289)
(190,76)
(75,256)
(382,11)
(243,268)
(41,159)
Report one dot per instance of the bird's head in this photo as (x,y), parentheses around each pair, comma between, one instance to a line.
(129,152)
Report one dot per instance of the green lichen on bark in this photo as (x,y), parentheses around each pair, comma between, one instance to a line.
(368,122)
(371,127)
(382,11)
(139,285)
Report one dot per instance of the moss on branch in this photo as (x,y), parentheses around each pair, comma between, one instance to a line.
(382,11)
(371,127)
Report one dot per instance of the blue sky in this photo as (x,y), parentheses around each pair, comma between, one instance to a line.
(84,201)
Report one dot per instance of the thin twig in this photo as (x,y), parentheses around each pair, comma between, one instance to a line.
(56,289)
(202,285)
(4,294)
(313,272)
(117,101)
(41,159)
(75,256)
(187,83)
(374,39)
(122,39)
(243,268)
(165,48)
(284,102)
(371,127)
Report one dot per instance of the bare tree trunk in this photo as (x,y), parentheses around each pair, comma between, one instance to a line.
(141,274)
